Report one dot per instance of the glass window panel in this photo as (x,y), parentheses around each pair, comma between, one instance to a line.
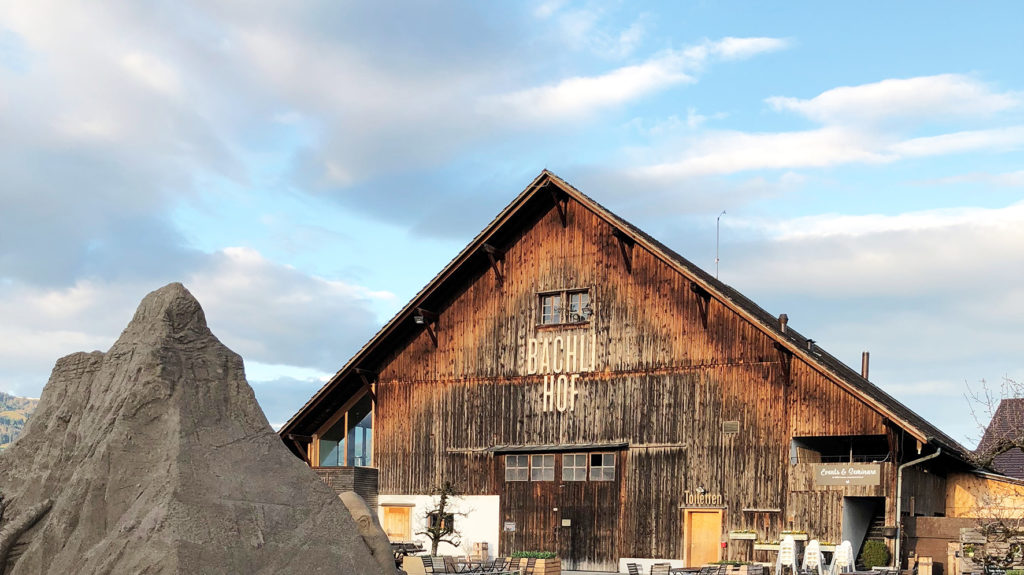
(579,307)
(574,467)
(360,420)
(550,309)
(542,468)
(517,467)
(602,467)
(332,445)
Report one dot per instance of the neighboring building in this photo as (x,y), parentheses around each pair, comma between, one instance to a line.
(1007,426)
(595,394)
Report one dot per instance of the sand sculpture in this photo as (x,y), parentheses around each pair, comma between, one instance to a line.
(154,458)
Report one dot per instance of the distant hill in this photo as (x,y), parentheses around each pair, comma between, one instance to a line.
(14,413)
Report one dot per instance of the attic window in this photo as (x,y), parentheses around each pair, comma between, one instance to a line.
(565,307)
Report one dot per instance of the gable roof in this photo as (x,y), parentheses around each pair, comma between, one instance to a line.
(1007,424)
(536,200)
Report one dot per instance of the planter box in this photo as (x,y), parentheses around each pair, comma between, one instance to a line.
(766,546)
(827,548)
(795,536)
(742,535)
(544,566)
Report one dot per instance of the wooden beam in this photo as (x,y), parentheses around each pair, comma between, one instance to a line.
(300,447)
(495,256)
(561,204)
(365,375)
(626,246)
(786,361)
(703,298)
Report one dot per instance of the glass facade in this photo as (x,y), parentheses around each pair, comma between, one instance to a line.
(360,433)
(332,445)
(349,442)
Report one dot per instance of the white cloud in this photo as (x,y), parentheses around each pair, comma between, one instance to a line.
(922,97)
(739,48)
(269,313)
(581,96)
(999,139)
(716,153)
(865,124)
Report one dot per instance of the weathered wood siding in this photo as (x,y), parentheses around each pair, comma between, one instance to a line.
(664,383)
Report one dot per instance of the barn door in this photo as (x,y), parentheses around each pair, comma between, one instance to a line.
(702,536)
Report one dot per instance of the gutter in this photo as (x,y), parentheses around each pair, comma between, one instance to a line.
(899,503)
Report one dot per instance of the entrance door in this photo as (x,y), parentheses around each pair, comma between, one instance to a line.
(397,522)
(702,536)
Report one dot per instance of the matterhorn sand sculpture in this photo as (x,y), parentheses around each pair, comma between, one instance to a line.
(154,458)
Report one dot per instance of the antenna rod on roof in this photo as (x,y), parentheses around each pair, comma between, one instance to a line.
(718,227)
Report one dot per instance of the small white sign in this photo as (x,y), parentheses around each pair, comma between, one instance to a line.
(567,523)
(510,526)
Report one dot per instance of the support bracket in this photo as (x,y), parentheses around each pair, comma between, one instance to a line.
(703,298)
(368,377)
(561,204)
(626,247)
(497,259)
(786,361)
(427,319)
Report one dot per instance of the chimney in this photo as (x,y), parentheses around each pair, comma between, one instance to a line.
(864,357)
(810,345)
(783,320)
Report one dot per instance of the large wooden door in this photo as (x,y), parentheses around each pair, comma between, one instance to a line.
(397,522)
(702,536)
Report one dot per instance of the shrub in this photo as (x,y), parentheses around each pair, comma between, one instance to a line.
(874,554)
(533,555)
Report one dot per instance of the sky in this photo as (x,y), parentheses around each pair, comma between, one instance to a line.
(305,167)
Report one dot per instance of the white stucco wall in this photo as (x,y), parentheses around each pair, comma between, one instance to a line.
(479,524)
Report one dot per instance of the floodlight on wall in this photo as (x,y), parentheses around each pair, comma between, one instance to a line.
(426,318)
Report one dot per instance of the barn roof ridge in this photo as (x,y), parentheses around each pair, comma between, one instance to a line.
(796,343)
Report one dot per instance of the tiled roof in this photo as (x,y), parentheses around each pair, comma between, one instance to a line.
(1007,424)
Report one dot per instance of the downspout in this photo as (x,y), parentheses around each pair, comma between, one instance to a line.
(899,502)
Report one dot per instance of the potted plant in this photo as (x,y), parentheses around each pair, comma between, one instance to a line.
(969,549)
(747,534)
(766,546)
(547,562)
(796,535)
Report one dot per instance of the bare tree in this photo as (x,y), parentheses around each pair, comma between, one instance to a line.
(999,415)
(440,519)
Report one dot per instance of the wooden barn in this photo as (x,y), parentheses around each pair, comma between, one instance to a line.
(593,393)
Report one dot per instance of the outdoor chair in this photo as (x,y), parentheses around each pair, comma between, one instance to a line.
(433,564)
(633,569)
(787,555)
(812,559)
(842,559)
(755,569)
(661,568)
(531,566)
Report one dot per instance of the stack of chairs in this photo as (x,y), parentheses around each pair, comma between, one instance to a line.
(633,569)
(842,559)
(787,555)
(661,568)
(812,559)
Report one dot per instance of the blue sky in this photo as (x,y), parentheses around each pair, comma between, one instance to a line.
(304,168)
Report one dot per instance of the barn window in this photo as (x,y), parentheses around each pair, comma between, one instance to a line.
(602,467)
(542,468)
(445,523)
(574,467)
(568,306)
(517,467)
(550,308)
